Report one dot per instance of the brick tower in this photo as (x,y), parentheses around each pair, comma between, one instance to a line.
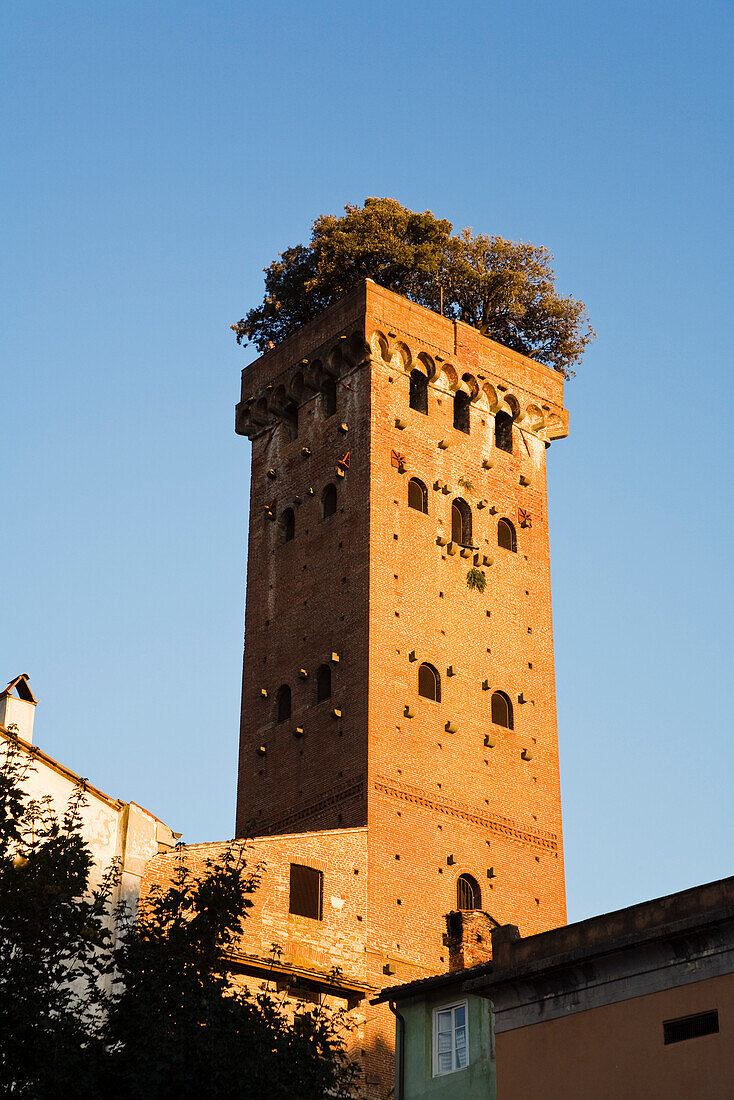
(397,456)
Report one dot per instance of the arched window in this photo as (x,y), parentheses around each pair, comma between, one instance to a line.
(323,683)
(506,537)
(328,501)
(468,894)
(429,683)
(462,401)
(419,391)
(288,521)
(283,703)
(502,710)
(328,397)
(461,522)
(290,415)
(503,431)
(417,495)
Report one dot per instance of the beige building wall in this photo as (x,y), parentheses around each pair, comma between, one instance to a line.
(113,828)
(616,1051)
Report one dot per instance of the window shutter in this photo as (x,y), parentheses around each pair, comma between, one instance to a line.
(306,892)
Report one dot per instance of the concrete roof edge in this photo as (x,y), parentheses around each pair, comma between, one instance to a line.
(426,985)
(613,933)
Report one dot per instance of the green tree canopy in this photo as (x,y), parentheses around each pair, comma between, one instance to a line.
(178,1029)
(505,289)
(54,942)
(154,1017)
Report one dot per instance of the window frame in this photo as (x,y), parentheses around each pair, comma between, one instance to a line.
(684,1028)
(462,412)
(510,710)
(288,524)
(506,422)
(418,391)
(329,398)
(476,890)
(290,419)
(436,679)
(505,522)
(319,876)
(323,673)
(451,1007)
(464,509)
(324,491)
(421,485)
(279,696)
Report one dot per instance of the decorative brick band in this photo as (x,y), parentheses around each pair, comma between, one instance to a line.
(355,792)
(498,824)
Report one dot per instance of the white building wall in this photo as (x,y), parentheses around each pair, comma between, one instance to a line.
(112,828)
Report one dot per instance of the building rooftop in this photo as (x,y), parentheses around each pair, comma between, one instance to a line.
(648,921)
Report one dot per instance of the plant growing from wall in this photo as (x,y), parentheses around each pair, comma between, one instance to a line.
(476,579)
(466,484)
(505,289)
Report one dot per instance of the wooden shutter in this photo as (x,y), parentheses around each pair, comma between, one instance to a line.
(306,892)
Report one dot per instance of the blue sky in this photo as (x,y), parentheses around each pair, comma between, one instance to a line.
(157,156)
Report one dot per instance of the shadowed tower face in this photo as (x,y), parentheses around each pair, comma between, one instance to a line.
(398,670)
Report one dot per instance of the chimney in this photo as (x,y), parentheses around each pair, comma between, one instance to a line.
(18,707)
(469,938)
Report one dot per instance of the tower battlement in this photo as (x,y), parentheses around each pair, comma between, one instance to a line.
(374,321)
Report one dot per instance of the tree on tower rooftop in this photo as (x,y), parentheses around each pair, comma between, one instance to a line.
(505,289)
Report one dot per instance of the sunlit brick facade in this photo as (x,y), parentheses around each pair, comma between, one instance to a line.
(350,590)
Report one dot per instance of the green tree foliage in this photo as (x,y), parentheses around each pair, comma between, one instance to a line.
(154,1018)
(54,943)
(505,289)
(178,1029)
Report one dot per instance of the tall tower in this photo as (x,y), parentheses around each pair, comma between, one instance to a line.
(398,670)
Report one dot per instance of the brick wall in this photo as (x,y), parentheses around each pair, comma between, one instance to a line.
(440,789)
(303,947)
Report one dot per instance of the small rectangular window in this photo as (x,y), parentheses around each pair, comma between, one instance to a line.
(691,1027)
(306,892)
(450,1039)
(503,431)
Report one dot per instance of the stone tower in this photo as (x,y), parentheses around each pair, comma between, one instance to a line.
(397,457)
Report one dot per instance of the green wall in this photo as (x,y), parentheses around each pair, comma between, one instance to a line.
(477,1081)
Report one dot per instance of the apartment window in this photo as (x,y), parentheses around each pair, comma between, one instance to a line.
(419,391)
(328,501)
(691,1027)
(417,495)
(468,894)
(503,431)
(306,892)
(502,710)
(506,535)
(462,401)
(328,397)
(450,1039)
(429,683)
(323,683)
